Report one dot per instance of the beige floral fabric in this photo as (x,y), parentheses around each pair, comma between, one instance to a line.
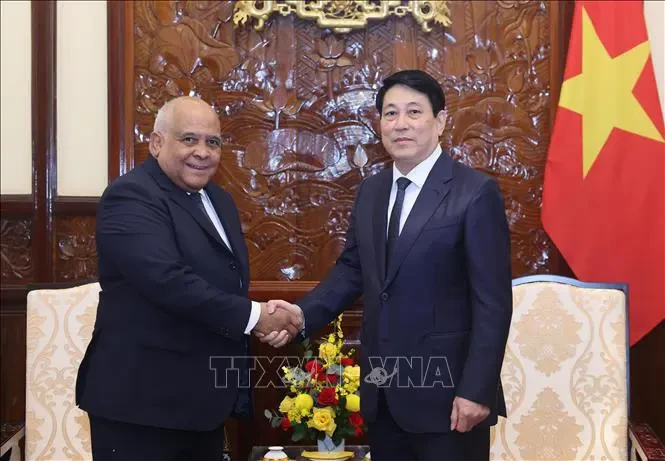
(59,327)
(564,376)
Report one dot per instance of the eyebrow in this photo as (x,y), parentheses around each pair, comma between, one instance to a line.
(408,104)
(199,135)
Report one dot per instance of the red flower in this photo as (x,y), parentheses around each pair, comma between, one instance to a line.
(313,367)
(356,420)
(332,379)
(327,396)
(347,362)
(285,424)
(358,431)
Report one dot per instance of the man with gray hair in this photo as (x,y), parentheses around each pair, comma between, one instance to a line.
(167,363)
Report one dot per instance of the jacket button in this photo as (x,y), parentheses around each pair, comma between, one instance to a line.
(233,266)
(385,296)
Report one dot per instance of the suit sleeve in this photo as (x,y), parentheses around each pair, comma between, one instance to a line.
(341,287)
(135,234)
(487,247)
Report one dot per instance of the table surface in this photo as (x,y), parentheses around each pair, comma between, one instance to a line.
(294,452)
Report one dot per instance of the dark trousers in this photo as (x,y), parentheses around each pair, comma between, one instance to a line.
(389,442)
(115,441)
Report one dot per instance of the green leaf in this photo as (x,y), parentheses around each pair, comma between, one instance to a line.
(307,355)
(335,369)
(267,414)
(275,422)
(299,433)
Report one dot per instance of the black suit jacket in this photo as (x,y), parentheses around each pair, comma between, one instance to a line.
(173,298)
(444,303)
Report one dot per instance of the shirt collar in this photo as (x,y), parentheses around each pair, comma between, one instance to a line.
(418,175)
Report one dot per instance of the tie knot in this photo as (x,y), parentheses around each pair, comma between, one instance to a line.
(403,183)
(197,199)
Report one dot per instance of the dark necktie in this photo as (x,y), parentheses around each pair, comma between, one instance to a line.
(395,214)
(198,199)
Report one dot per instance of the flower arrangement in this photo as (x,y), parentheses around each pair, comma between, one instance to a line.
(323,398)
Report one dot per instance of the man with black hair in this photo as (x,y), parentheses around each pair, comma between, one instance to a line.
(428,248)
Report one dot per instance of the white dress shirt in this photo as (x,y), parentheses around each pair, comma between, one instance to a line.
(417,176)
(212,214)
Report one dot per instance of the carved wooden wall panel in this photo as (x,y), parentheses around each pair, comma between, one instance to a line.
(75,250)
(300,129)
(15,250)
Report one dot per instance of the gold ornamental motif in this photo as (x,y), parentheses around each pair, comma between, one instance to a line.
(342,16)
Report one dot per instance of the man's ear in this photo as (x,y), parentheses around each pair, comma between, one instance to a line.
(441,118)
(156,142)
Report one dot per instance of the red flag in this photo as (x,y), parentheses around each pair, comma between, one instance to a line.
(604,191)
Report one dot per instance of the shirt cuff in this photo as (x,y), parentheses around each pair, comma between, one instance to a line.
(253,317)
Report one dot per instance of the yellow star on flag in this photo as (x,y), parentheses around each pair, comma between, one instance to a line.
(603,94)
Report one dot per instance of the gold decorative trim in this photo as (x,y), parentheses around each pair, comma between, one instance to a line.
(342,16)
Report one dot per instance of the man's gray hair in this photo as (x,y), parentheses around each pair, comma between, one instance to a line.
(164,114)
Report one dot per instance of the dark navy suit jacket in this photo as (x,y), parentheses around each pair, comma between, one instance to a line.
(173,296)
(445,302)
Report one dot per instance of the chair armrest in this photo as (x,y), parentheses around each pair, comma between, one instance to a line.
(644,444)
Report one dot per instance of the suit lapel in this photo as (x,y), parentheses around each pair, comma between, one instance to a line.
(187,202)
(380,221)
(232,227)
(435,189)
(225,211)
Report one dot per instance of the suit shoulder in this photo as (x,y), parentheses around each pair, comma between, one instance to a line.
(217,189)
(136,181)
(376,178)
(472,180)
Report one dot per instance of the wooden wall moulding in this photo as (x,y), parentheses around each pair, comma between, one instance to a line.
(345,15)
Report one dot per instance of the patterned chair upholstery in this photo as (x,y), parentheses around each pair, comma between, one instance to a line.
(565,373)
(59,327)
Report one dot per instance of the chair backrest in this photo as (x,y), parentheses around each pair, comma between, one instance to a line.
(59,327)
(565,372)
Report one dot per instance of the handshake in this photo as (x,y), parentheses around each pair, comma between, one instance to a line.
(279,323)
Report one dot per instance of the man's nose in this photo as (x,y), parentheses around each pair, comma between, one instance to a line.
(401,122)
(203,150)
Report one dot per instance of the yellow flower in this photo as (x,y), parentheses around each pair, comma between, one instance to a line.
(304,402)
(294,415)
(286,405)
(327,352)
(350,388)
(351,378)
(352,373)
(353,402)
(323,420)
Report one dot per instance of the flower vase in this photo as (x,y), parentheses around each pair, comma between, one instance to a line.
(327,444)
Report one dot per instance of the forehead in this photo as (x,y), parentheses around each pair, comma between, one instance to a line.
(403,95)
(195,118)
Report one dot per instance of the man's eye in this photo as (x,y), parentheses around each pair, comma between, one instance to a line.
(189,139)
(390,113)
(414,111)
(214,142)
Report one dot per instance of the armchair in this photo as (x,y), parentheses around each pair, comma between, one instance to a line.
(565,375)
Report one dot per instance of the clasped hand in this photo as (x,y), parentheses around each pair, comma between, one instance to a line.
(280,322)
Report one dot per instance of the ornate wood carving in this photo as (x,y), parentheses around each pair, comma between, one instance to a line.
(75,250)
(15,250)
(343,16)
(300,129)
